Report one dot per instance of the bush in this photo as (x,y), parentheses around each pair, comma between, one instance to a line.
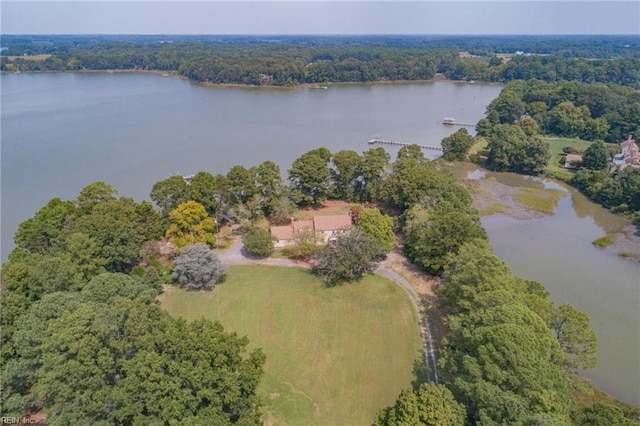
(198,267)
(258,242)
(571,150)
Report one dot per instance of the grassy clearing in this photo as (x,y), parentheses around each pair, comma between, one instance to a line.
(605,241)
(542,200)
(480,146)
(555,148)
(334,355)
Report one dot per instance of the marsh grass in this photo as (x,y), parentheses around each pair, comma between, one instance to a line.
(542,200)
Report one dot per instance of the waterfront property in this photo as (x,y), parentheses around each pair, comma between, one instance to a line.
(630,155)
(324,227)
(571,159)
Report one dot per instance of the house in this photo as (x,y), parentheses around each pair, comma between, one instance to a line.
(328,227)
(572,158)
(324,227)
(630,155)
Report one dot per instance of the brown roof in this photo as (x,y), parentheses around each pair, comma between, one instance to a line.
(300,225)
(282,232)
(331,223)
(573,157)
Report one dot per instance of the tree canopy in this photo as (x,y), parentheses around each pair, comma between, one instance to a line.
(348,258)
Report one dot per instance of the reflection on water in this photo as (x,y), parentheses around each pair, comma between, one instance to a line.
(556,250)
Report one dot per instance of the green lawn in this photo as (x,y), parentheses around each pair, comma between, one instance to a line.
(335,356)
(555,148)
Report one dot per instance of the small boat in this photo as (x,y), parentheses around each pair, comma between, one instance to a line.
(449,120)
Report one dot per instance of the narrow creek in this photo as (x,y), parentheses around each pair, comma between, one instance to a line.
(556,249)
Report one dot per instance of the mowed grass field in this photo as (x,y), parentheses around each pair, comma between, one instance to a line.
(555,148)
(335,356)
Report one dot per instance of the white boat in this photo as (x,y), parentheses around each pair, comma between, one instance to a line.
(449,120)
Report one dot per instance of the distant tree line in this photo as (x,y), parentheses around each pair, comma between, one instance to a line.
(294,61)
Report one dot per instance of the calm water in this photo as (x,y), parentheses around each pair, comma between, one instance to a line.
(61,132)
(557,251)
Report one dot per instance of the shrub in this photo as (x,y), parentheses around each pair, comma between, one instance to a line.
(258,242)
(198,267)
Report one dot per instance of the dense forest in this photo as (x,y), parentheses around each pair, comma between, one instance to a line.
(84,340)
(287,61)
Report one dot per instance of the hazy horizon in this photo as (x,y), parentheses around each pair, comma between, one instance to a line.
(345,18)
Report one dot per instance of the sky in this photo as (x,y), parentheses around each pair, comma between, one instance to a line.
(320,17)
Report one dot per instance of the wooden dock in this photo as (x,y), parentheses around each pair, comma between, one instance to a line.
(460,124)
(389,142)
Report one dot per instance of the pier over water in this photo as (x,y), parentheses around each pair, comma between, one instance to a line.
(390,142)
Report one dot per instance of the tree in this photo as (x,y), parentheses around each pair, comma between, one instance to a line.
(347,258)
(347,175)
(566,119)
(507,108)
(150,221)
(456,146)
(529,126)
(596,156)
(258,242)
(471,272)
(577,340)
(283,212)
(203,190)
(375,168)
(483,128)
(412,151)
(120,363)
(378,225)
(82,251)
(270,186)
(305,245)
(242,184)
(502,359)
(536,156)
(430,405)
(117,231)
(510,149)
(40,233)
(197,267)
(190,224)
(107,287)
(169,193)
(94,194)
(445,230)
(630,183)
(603,414)
(310,178)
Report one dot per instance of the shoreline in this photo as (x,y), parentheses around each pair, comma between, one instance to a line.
(437,79)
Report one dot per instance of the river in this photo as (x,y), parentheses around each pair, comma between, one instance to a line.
(61,132)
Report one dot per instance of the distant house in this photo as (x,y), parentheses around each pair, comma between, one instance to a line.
(630,155)
(572,159)
(325,228)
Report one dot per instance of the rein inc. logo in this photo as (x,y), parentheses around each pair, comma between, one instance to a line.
(16,421)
